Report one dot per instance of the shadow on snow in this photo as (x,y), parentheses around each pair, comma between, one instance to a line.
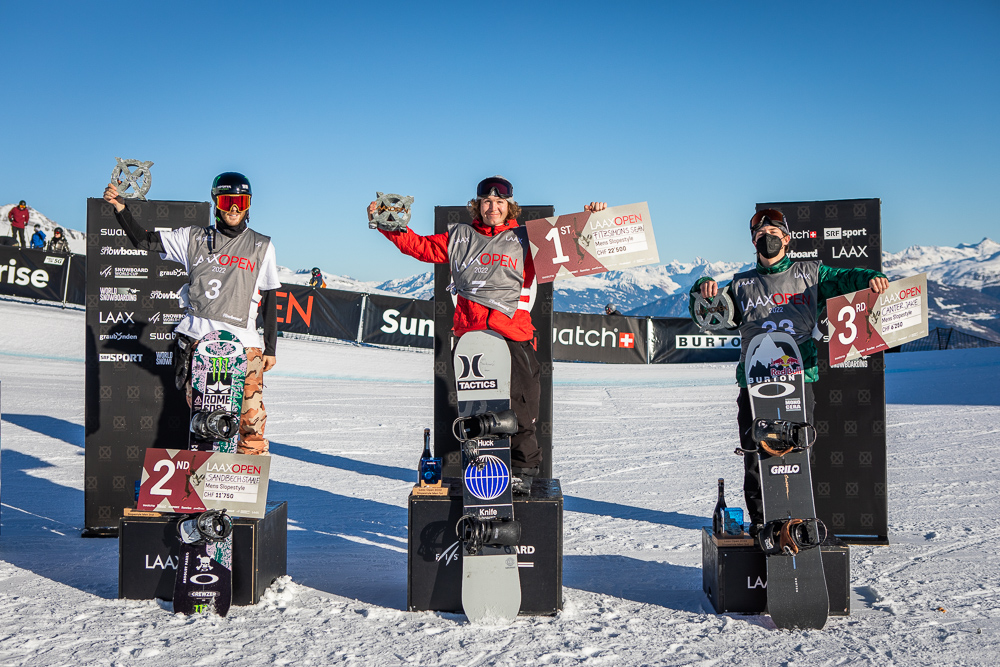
(61,429)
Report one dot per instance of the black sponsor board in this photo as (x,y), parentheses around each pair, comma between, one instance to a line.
(390,320)
(317,312)
(607,339)
(36,274)
(850,463)
(446,446)
(132,308)
(678,340)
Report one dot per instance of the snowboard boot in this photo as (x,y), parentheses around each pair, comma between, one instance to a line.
(520,480)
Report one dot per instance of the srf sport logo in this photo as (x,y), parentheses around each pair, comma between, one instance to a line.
(470,376)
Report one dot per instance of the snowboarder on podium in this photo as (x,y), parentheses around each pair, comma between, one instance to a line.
(507,309)
(221,296)
(805,287)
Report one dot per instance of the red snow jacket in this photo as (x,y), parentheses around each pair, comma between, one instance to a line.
(18,217)
(469,315)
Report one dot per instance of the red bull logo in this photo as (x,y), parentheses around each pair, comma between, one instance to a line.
(785,365)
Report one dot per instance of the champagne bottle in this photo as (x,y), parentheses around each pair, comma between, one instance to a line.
(422,465)
(718,522)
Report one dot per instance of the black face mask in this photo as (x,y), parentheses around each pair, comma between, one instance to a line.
(769,246)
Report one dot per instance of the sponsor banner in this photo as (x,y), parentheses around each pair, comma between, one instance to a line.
(600,338)
(392,320)
(38,275)
(678,340)
(185,481)
(318,312)
(862,323)
(581,244)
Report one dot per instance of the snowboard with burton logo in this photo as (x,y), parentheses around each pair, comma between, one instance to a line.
(491,586)
(796,585)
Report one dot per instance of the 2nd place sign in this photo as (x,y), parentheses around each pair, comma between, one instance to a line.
(185,481)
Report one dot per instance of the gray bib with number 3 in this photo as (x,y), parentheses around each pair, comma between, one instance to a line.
(783,301)
(222,284)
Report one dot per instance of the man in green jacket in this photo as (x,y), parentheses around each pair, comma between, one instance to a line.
(780,295)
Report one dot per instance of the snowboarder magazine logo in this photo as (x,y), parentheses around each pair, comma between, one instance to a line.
(158,294)
(106,250)
(472,377)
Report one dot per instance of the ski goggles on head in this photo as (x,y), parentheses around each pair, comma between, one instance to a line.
(766,217)
(227,202)
(495,187)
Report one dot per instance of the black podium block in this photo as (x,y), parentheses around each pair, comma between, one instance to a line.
(434,563)
(735,577)
(148,547)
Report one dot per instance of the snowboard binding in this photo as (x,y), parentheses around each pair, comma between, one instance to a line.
(791,536)
(476,533)
(210,526)
(215,425)
(486,426)
(778,437)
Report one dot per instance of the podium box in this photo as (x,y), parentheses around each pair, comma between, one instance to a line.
(148,548)
(735,577)
(434,561)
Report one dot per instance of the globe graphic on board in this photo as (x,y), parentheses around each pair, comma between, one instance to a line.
(489,481)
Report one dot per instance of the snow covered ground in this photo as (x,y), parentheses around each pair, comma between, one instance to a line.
(638,449)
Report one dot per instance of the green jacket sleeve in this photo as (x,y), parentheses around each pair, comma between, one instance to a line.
(834,282)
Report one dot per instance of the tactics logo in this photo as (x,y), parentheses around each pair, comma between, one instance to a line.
(472,377)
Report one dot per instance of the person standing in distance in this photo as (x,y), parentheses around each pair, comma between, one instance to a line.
(752,292)
(18,218)
(221,297)
(498,300)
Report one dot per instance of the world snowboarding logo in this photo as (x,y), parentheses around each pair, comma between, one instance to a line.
(487,478)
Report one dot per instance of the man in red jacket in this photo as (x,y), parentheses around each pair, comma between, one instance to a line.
(495,296)
(18,218)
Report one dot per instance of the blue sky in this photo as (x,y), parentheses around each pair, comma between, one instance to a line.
(700,108)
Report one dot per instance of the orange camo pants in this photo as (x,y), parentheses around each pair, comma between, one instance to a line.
(254,416)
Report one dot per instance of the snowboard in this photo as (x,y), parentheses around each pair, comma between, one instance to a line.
(491,585)
(218,371)
(204,582)
(796,585)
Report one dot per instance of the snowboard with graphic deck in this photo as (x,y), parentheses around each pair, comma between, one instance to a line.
(796,585)
(204,582)
(218,372)
(204,569)
(491,585)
